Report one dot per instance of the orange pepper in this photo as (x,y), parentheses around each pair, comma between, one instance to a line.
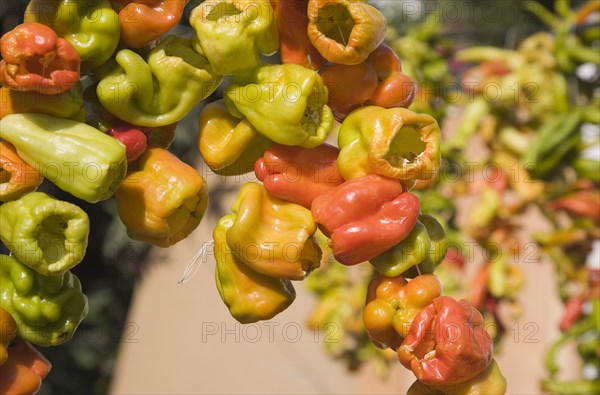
(24,370)
(8,331)
(16,177)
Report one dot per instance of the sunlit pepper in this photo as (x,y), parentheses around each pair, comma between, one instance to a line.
(272,236)
(233,33)
(447,343)
(392,304)
(47,309)
(298,174)
(144,21)
(366,216)
(16,177)
(228,145)
(294,44)
(162,200)
(76,157)
(34,58)
(249,295)
(159,90)
(91,27)
(490,381)
(48,235)
(395,142)
(24,370)
(68,104)
(345,31)
(286,103)
(8,331)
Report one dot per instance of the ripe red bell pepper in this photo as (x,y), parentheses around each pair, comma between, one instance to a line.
(447,343)
(365,216)
(297,174)
(133,138)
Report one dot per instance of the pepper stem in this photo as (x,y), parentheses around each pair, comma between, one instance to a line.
(193,264)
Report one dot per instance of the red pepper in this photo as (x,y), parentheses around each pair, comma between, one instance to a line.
(572,312)
(365,216)
(36,59)
(297,174)
(133,138)
(294,44)
(447,343)
(584,203)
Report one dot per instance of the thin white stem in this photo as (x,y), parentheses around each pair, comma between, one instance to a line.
(193,264)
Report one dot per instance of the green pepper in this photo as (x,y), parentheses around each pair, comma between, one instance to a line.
(249,295)
(48,235)
(78,158)
(233,33)
(438,247)
(92,27)
(159,90)
(286,103)
(47,309)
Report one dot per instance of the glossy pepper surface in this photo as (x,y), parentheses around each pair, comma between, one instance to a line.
(272,236)
(8,331)
(286,103)
(294,44)
(134,140)
(392,304)
(438,248)
(395,142)
(76,157)
(68,104)
(249,295)
(162,200)
(144,21)
(447,343)
(366,216)
(91,27)
(233,34)
(490,381)
(159,90)
(16,177)
(228,145)
(34,58)
(48,235)
(47,309)
(23,372)
(345,31)
(298,174)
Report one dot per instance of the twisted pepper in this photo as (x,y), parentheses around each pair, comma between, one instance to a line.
(48,235)
(17,178)
(24,370)
(163,200)
(76,157)
(365,216)
(35,58)
(47,309)
(249,295)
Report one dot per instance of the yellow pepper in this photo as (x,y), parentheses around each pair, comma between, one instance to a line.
(162,201)
(249,295)
(272,236)
(229,145)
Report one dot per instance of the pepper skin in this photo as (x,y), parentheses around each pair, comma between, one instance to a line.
(286,103)
(17,178)
(395,142)
(160,90)
(395,89)
(91,27)
(294,44)
(272,236)
(163,200)
(392,304)
(8,331)
(47,309)
(366,216)
(488,382)
(249,295)
(134,140)
(233,33)
(68,104)
(34,58)
(447,343)
(297,174)
(48,235)
(76,157)
(23,372)
(228,145)
(345,31)
(144,21)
